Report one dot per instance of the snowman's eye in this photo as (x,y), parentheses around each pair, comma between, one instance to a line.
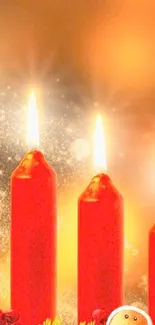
(126,316)
(135,318)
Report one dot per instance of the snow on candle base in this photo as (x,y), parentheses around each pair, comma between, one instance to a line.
(100,248)
(33,240)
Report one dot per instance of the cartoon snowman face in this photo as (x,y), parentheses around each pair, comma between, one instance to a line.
(129,315)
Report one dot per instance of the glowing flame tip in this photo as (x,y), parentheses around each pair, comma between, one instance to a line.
(32,123)
(100,163)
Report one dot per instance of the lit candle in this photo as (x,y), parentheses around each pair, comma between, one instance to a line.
(100,240)
(151,275)
(33,232)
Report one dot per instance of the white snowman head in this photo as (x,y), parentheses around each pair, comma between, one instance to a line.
(129,315)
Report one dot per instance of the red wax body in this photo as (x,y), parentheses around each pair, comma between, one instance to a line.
(100,248)
(33,240)
(151,275)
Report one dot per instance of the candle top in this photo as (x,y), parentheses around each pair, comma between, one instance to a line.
(33,164)
(153,229)
(97,187)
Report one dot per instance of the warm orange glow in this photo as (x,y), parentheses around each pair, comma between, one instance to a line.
(136,238)
(5,283)
(100,163)
(32,123)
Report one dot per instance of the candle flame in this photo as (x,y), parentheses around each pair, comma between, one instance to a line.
(32,123)
(100,163)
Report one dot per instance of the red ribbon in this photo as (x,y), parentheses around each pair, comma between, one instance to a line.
(99,317)
(8,317)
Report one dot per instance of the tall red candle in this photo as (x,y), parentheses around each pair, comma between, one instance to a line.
(151,275)
(100,248)
(33,240)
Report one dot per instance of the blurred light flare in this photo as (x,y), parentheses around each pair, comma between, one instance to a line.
(32,123)
(80,149)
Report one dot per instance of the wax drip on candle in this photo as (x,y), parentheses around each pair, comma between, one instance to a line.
(97,187)
(32,163)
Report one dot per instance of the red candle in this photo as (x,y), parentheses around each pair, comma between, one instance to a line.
(151,275)
(33,240)
(100,248)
